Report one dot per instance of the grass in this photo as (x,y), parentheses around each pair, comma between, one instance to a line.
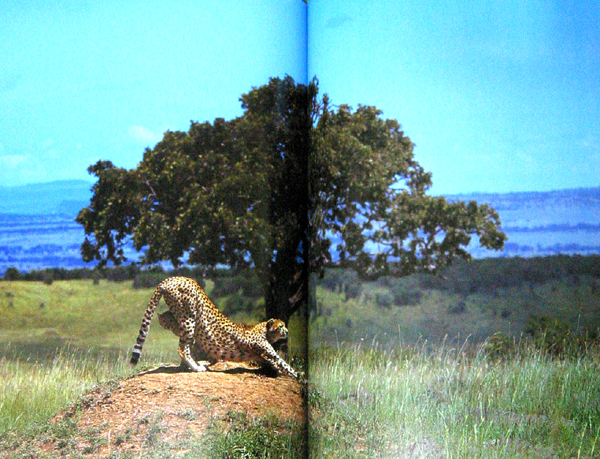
(402,369)
(63,340)
(439,313)
(72,311)
(59,341)
(264,438)
(383,382)
(453,403)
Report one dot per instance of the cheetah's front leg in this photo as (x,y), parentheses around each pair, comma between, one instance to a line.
(272,358)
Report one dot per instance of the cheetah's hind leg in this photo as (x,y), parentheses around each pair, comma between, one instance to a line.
(186,358)
(203,364)
(168,321)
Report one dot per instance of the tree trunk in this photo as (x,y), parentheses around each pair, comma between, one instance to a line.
(284,282)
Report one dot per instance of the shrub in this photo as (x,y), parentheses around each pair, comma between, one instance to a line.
(12,273)
(353,289)
(337,279)
(229,283)
(121,273)
(252,288)
(550,334)
(225,286)
(457,308)
(237,304)
(404,296)
(384,300)
(149,279)
(555,337)
(499,346)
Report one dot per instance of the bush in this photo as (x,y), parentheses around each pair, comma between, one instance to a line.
(489,275)
(550,334)
(12,274)
(337,279)
(457,308)
(404,296)
(353,289)
(384,300)
(121,273)
(237,304)
(252,288)
(229,283)
(499,346)
(225,286)
(149,279)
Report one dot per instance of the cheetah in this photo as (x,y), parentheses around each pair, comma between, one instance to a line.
(218,336)
(273,330)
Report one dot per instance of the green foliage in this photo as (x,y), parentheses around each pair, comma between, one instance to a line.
(404,295)
(246,281)
(152,277)
(263,438)
(358,162)
(337,280)
(271,188)
(500,346)
(384,300)
(142,278)
(12,274)
(555,337)
(149,279)
(236,304)
(425,306)
(490,275)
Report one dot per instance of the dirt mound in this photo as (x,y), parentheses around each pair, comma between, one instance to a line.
(176,403)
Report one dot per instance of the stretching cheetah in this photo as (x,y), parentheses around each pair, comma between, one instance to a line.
(273,330)
(219,337)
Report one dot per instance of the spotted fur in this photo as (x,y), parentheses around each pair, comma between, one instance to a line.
(197,318)
(273,330)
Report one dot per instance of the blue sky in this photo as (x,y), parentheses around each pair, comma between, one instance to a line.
(498,95)
(83,80)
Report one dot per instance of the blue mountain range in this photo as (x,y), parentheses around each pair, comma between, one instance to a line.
(38,228)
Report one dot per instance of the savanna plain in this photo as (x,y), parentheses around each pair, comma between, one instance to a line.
(493,358)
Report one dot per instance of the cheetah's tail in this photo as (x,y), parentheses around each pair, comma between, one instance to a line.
(137,349)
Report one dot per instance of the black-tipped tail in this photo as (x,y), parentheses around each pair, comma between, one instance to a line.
(135,357)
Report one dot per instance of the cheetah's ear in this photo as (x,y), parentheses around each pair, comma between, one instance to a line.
(270,322)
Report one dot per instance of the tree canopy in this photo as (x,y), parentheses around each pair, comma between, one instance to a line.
(273,188)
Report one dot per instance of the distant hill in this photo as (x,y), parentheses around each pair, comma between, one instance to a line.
(544,223)
(38,228)
(529,209)
(53,198)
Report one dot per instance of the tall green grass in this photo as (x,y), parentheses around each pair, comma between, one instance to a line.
(453,403)
(61,340)
(33,391)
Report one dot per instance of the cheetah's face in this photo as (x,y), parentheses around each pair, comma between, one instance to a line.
(276,330)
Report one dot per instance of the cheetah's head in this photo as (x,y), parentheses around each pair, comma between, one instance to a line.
(276,330)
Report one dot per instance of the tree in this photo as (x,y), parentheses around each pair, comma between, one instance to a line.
(369,193)
(272,188)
